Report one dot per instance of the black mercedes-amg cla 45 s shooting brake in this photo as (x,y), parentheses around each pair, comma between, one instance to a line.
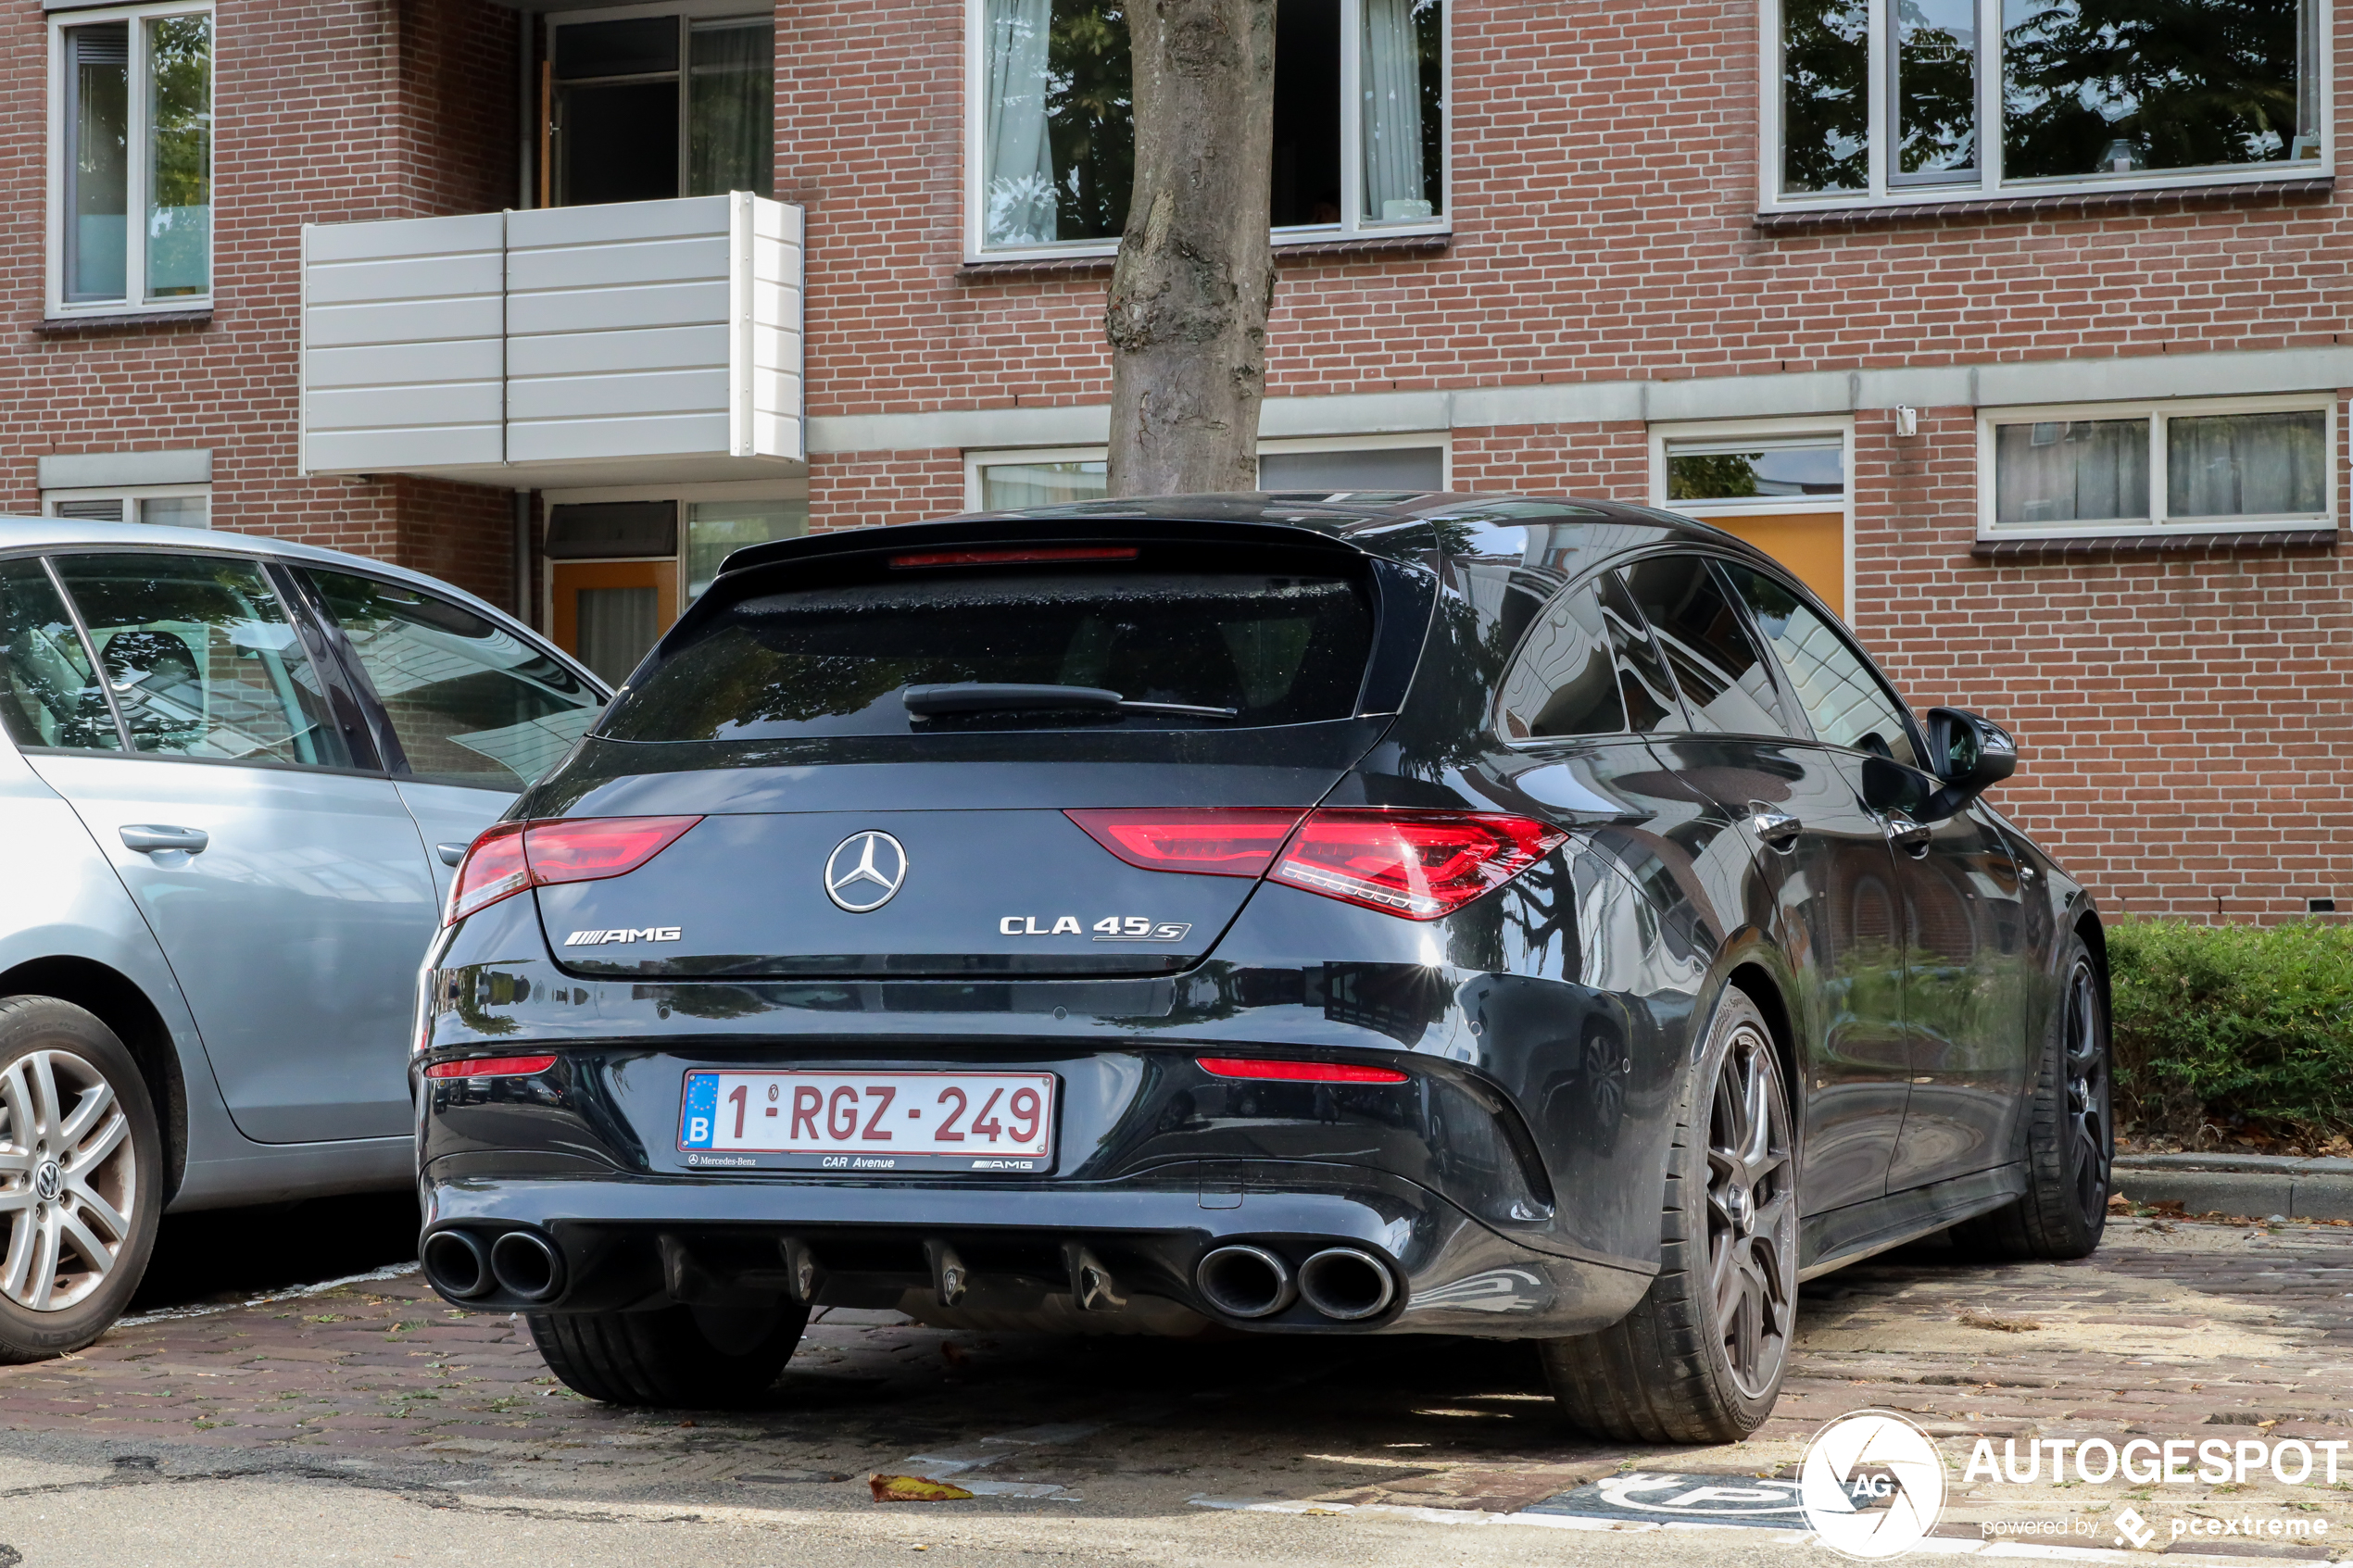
(1524,919)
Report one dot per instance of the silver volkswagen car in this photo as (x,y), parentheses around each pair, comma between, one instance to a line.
(234,774)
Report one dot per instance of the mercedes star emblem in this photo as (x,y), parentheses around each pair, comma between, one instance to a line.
(866,871)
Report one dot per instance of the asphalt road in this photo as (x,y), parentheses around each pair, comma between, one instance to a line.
(368,1422)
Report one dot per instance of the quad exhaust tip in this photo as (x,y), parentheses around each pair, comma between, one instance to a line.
(1244,1281)
(526,1265)
(1346,1284)
(457,1264)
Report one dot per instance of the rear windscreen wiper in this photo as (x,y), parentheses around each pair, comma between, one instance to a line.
(1004,696)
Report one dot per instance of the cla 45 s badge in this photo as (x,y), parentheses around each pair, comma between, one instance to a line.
(1111,928)
(641,933)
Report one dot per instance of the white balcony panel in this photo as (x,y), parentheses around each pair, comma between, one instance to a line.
(599,398)
(634,343)
(474,360)
(591,440)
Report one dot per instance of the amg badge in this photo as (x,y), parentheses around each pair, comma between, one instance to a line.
(643,934)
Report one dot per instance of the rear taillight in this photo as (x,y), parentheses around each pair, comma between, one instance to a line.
(513,856)
(1419,865)
(491,1067)
(1297,1072)
(1213,842)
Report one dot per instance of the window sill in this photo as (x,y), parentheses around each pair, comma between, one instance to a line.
(2057,204)
(2079,547)
(1347,248)
(201,316)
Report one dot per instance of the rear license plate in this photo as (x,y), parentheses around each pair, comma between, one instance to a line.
(977,1122)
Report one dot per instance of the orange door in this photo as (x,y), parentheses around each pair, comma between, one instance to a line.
(609,612)
(1811,545)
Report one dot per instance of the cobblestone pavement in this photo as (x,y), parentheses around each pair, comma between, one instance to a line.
(2175,1330)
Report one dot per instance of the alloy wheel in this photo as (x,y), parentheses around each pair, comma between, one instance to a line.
(68,1179)
(2089,1131)
(1752,1214)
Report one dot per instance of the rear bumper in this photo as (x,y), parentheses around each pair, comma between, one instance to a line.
(624,1242)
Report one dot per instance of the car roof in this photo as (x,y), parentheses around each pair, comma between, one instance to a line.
(69,533)
(1397,523)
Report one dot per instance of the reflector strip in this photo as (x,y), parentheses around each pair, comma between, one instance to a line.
(491,1067)
(1297,1072)
(1016,557)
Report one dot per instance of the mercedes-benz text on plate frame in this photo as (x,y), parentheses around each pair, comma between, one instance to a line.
(869,1121)
(866,871)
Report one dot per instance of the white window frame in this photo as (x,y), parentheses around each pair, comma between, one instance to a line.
(1736,435)
(1352,225)
(134,260)
(2157,413)
(977,458)
(131,496)
(1990,184)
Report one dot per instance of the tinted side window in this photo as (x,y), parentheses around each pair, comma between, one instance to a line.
(470,702)
(1642,678)
(203,659)
(1725,681)
(48,693)
(1842,694)
(1564,681)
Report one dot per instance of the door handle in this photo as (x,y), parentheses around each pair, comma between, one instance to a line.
(1907,834)
(149,837)
(451,854)
(1776,828)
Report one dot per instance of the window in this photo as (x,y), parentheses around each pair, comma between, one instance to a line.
(1368,466)
(130,192)
(1777,483)
(652,107)
(1274,646)
(159,506)
(1723,678)
(49,694)
(1587,668)
(202,659)
(1360,120)
(1941,99)
(2209,467)
(1843,697)
(468,703)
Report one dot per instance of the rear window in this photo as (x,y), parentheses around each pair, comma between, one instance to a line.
(1275,649)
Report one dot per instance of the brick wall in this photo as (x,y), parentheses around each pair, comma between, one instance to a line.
(326,111)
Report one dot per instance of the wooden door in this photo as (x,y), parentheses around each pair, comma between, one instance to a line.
(1811,545)
(607,613)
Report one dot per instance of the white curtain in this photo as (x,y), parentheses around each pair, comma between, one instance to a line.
(1393,186)
(2071,471)
(2246,465)
(1020,191)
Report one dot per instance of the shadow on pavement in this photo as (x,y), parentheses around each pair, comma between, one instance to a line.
(229,1254)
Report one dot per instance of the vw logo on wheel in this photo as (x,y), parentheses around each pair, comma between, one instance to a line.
(865,871)
(48,1181)
(1871,1485)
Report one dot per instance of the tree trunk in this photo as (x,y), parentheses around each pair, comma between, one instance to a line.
(1187,313)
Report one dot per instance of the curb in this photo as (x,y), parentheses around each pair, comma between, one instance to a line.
(2258,1186)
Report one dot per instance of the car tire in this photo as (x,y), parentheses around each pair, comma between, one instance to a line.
(1700,1359)
(2070,1132)
(679,1358)
(81,1178)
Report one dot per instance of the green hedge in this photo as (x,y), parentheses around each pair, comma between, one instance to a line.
(2215,1023)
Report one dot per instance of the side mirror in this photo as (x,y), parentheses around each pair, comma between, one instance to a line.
(1970,752)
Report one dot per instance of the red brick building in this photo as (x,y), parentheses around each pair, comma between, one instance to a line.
(2023,328)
